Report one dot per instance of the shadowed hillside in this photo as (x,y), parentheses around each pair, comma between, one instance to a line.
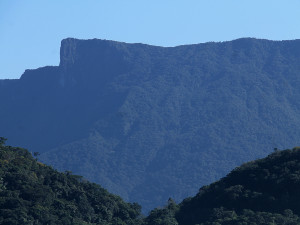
(264,191)
(34,193)
(149,123)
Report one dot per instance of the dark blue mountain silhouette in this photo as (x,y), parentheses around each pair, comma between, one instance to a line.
(149,123)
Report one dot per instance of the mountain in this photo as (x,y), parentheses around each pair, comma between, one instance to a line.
(148,122)
(264,191)
(34,193)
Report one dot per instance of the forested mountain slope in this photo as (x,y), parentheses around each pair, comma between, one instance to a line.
(264,191)
(34,193)
(149,123)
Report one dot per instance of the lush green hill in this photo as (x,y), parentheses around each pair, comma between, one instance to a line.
(149,123)
(264,191)
(33,193)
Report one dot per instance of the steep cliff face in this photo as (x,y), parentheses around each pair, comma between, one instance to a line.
(90,62)
(48,102)
(151,123)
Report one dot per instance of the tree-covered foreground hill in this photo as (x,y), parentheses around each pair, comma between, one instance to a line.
(264,191)
(32,193)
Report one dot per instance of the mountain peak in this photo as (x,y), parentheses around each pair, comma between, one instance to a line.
(74,51)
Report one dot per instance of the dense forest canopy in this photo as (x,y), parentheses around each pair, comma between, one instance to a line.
(32,193)
(262,192)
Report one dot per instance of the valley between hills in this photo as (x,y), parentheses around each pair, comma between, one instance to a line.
(264,191)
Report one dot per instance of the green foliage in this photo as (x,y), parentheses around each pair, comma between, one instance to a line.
(220,216)
(2,140)
(264,191)
(34,193)
(165,216)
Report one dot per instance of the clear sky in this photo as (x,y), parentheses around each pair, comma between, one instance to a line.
(31,30)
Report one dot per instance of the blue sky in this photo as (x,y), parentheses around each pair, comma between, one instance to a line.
(31,30)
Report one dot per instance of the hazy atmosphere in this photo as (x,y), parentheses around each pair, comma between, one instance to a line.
(31,31)
(149,112)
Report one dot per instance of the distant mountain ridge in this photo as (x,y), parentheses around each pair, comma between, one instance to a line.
(149,122)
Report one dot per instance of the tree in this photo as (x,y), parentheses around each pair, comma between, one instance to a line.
(2,141)
(36,154)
